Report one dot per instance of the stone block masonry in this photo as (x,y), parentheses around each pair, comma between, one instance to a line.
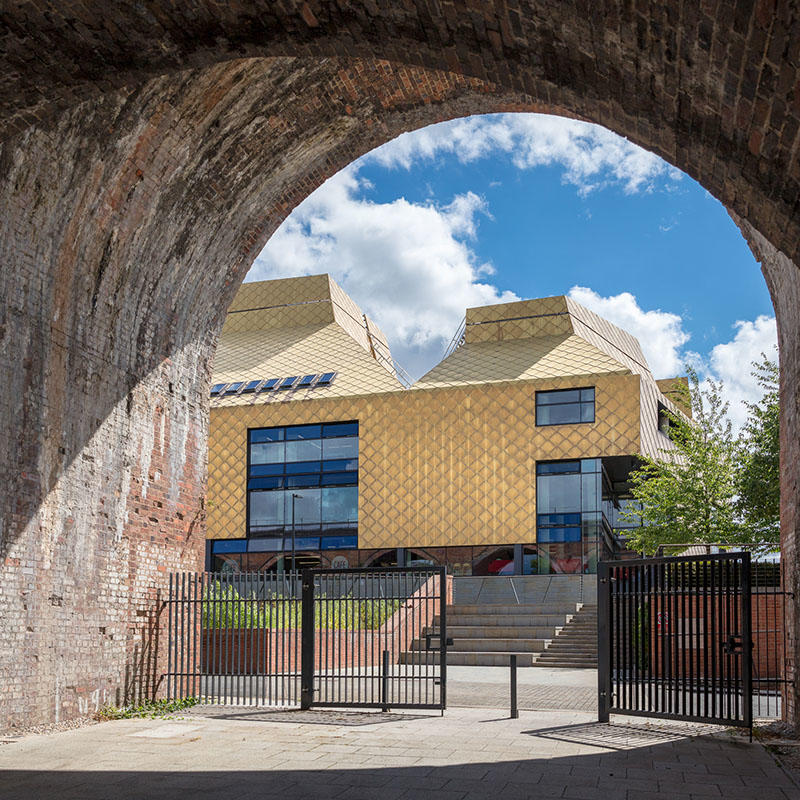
(146,158)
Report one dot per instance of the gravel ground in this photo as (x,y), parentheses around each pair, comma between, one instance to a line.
(53,727)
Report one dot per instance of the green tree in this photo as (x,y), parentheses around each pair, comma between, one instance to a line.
(688,493)
(758,473)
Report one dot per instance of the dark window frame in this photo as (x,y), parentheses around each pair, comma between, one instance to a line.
(578,404)
(334,431)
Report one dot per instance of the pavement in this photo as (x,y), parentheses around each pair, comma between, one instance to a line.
(469,753)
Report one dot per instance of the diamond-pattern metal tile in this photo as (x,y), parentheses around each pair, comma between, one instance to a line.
(451,461)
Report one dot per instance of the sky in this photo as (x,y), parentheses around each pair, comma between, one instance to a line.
(494,208)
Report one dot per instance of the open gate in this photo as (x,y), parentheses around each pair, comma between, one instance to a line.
(369,628)
(675,638)
(369,638)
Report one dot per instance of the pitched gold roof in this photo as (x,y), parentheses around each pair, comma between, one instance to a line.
(301,326)
(520,359)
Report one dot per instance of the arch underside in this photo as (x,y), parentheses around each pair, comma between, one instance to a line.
(135,197)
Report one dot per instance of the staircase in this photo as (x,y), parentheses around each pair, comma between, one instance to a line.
(485,635)
(575,645)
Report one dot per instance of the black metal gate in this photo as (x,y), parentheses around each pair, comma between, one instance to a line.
(371,638)
(379,638)
(675,638)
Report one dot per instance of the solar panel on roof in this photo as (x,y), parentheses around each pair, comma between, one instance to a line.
(217,388)
(251,387)
(234,387)
(326,379)
(306,380)
(287,383)
(270,384)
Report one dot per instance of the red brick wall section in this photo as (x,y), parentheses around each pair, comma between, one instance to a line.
(682,623)
(242,651)
(144,161)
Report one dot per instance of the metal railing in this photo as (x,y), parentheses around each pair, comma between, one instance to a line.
(675,638)
(320,637)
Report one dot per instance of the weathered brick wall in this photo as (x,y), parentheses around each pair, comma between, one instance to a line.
(783,279)
(146,158)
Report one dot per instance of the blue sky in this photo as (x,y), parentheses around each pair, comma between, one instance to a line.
(494,208)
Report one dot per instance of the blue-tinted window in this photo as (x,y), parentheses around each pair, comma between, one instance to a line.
(339,543)
(565,406)
(251,387)
(546,535)
(557,467)
(287,383)
(267,435)
(340,429)
(306,380)
(297,432)
(229,546)
(568,496)
(290,486)
(326,378)
(234,387)
(270,384)
(217,388)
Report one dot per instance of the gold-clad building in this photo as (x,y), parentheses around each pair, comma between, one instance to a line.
(510,456)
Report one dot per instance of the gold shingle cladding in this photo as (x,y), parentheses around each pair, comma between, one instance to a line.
(301,326)
(452,461)
(451,466)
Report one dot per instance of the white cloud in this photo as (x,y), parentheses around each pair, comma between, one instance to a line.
(408,265)
(732,362)
(590,155)
(663,342)
(660,333)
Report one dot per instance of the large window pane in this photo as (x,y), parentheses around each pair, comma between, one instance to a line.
(558,414)
(266,509)
(340,429)
(561,396)
(304,450)
(558,494)
(565,406)
(303,432)
(306,507)
(272,453)
(340,504)
(340,448)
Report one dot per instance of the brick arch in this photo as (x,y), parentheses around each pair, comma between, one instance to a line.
(141,178)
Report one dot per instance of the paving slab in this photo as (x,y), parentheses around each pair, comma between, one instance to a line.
(219,752)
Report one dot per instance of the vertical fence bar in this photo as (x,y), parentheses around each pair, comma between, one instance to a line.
(307,662)
(605,624)
(747,642)
(443,639)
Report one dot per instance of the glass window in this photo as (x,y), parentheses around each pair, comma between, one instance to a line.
(295,432)
(565,406)
(304,450)
(266,509)
(286,476)
(340,429)
(346,447)
(266,435)
(339,542)
(340,504)
(273,453)
(557,494)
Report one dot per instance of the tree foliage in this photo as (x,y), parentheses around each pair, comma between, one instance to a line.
(688,493)
(710,486)
(758,475)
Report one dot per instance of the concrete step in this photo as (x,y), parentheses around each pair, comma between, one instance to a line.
(499,632)
(504,620)
(488,645)
(492,609)
(588,664)
(468,658)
